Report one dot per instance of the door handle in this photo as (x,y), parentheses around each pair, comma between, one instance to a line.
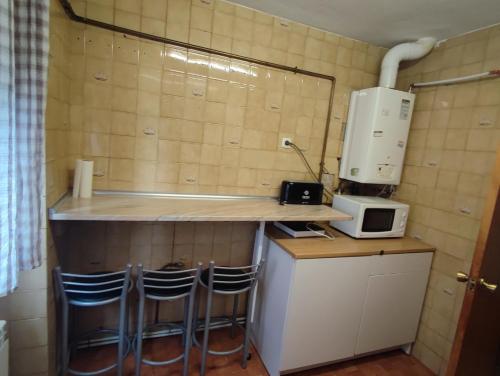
(490,286)
(462,277)
(465,278)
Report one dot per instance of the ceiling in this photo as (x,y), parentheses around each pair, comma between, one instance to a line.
(386,22)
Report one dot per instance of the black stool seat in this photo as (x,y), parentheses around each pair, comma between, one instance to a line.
(239,276)
(172,279)
(98,289)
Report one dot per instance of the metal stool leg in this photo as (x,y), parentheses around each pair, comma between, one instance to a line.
(235,314)
(248,325)
(64,338)
(196,312)
(138,345)
(189,330)
(185,320)
(206,331)
(127,320)
(121,337)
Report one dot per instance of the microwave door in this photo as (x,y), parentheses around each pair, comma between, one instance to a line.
(377,220)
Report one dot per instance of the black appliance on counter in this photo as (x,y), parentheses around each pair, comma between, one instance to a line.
(301,193)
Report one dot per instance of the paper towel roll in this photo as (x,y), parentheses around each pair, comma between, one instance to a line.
(77,178)
(86,179)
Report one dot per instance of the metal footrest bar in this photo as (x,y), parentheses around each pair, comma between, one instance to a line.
(92,373)
(162,362)
(180,330)
(92,339)
(223,322)
(213,352)
(110,340)
(77,345)
(220,322)
(172,328)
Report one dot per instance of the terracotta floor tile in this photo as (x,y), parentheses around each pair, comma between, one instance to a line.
(394,363)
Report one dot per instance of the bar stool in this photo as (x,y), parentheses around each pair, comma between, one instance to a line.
(163,285)
(227,281)
(92,290)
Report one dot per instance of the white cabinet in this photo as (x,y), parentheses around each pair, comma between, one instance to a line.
(393,301)
(317,311)
(273,292)
(324,309)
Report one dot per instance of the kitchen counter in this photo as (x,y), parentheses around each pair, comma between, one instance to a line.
(114,206)
(343,245)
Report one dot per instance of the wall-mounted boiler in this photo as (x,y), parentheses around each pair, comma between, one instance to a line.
(379,121)
(376,133)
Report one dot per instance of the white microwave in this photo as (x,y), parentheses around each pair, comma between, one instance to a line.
(373,217)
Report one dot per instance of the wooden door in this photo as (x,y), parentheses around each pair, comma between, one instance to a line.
(476,350)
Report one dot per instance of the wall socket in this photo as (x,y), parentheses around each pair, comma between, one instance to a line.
(328,181)
(283,142)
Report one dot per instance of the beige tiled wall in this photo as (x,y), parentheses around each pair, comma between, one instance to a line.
(26,312)
(451,152)
(58,151)
(160,118)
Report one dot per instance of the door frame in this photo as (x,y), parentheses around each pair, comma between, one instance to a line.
(477,261)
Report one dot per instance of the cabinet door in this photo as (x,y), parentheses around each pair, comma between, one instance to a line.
(393,302)
(324,310)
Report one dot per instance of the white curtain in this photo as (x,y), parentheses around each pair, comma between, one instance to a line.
(24,44)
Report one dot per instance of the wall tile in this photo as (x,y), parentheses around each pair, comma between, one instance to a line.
(452,143)
(28,333)
(25,305)
(209,112)
(30,361)
(154,9)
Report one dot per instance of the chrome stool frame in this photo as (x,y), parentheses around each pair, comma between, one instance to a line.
(227,281)
(92,290)
(163,285)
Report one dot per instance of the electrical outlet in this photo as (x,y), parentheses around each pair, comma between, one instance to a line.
(283,142)
(327,180)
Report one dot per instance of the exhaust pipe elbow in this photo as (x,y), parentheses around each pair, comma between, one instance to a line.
(404,51)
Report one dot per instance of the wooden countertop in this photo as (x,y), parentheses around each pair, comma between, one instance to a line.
(143,207)
(343,245)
